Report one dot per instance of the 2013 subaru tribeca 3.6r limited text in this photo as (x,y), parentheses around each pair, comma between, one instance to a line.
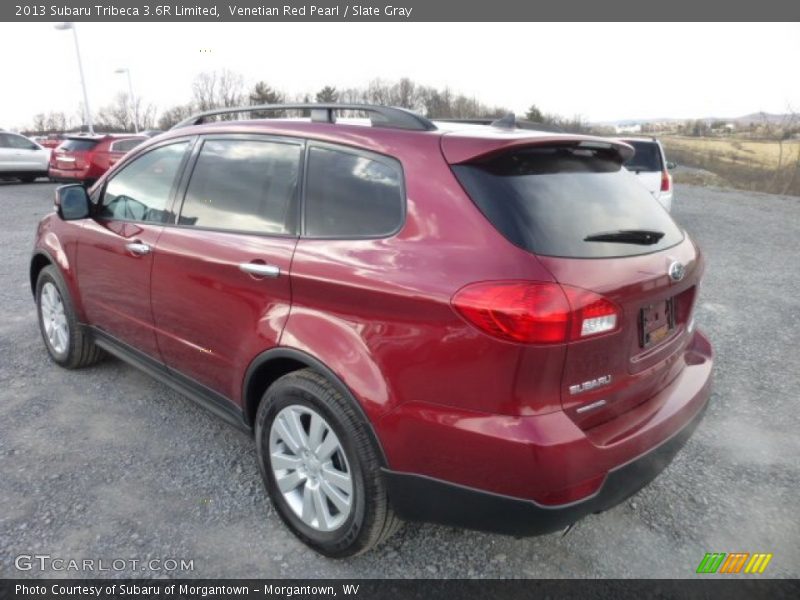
(483,326)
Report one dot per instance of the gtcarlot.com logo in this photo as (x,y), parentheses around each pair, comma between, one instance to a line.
(46,562)
(733,563)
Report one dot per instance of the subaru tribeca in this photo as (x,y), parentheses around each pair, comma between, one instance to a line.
(476,325)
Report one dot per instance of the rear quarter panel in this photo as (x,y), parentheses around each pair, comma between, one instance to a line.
(377,311)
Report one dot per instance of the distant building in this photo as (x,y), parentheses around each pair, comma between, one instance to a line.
(635,128)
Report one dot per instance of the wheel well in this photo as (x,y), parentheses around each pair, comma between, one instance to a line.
(38,262)
(263,377)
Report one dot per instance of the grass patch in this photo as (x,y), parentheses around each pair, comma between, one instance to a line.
(744,164)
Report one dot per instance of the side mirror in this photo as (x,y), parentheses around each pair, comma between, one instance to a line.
(72,202)
(671,165)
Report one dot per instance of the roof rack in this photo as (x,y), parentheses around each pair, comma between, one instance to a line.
(507,122)
(380,116)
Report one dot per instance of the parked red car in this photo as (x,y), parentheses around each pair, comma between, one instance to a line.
(51,141)
(85,158)
(466,324)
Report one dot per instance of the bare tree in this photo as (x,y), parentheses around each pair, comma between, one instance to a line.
(174,115)
(217,89)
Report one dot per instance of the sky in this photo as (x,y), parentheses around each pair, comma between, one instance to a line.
(601,71)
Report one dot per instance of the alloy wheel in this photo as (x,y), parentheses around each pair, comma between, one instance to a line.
(54,318)
(310,468)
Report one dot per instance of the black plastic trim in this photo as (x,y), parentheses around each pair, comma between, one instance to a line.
(202,395)
(421,498)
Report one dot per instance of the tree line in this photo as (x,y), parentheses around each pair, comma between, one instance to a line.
(227,89)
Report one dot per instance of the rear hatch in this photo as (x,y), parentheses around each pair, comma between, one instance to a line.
(73,154)
(646,164)
(594,227)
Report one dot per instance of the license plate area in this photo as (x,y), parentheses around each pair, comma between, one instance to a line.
(656,322)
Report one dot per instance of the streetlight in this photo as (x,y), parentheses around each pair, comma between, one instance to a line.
(87,111)
(133,98)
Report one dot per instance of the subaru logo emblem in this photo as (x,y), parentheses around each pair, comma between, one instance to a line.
(676,271)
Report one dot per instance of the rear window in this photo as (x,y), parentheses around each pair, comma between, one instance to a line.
(78,145)
(646,158)
(549,200)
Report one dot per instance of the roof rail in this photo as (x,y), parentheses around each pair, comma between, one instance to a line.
(505,123)
(380,116)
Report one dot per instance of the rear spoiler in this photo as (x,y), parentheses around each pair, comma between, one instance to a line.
(461,147)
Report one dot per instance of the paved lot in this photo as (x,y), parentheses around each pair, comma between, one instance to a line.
(107,463)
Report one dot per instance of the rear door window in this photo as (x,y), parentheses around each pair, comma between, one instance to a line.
(351,194)
(569,201)
(647,157)
(244,185)
(19,142)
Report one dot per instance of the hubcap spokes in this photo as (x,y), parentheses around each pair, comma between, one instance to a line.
(54,318)
(310,468)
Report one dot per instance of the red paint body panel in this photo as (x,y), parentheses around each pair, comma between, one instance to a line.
(115,283)
(537,456)
(211,318)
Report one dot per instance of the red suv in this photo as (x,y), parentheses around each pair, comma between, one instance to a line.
(85,158)
(475,325)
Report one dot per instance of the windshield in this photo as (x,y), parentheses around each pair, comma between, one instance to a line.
(569,201)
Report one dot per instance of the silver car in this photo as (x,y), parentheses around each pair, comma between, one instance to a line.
(22,158)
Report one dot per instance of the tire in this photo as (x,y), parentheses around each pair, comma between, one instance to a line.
(369,520)
(28,179)
(74,347)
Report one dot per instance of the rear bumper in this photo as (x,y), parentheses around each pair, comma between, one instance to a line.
(543,456)
(419,498)
(68,176)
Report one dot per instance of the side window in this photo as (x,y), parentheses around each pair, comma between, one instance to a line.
(20,143)
(351,195)
(4,141)
(141,191)
(244,185)
(125,145)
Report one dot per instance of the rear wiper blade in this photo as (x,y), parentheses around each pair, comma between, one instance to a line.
(645,237)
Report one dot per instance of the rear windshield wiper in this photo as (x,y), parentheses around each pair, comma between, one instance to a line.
(644,237)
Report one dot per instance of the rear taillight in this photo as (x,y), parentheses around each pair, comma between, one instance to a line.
(666,181)
(536,313)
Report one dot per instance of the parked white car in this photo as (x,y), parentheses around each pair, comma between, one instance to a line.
(651,167)
(22,158)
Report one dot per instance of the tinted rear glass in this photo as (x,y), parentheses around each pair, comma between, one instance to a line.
(548,200)
(646,158)
(351,195)
(77,145)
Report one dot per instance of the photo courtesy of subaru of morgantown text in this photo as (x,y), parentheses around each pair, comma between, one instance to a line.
(425,315)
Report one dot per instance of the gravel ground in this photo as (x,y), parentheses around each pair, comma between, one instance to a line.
(107,463)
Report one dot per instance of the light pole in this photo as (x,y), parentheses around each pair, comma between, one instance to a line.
(87,111)
(133,98)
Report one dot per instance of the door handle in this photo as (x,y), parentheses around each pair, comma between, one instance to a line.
(138,248)
(260,270)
